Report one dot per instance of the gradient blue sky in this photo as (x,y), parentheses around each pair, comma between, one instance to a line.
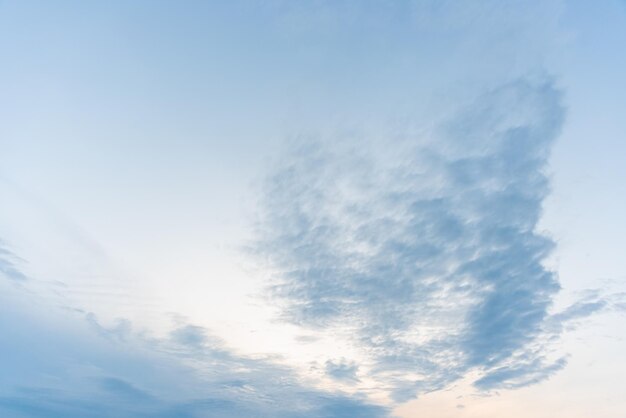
(312,209)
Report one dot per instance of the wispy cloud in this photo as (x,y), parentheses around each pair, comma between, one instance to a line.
(432,255)
(8,267)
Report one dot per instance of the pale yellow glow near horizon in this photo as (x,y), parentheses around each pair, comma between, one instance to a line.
(590,386)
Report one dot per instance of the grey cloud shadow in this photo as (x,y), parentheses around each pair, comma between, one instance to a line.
(342,370)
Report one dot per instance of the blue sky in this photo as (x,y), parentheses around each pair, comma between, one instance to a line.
(312,209)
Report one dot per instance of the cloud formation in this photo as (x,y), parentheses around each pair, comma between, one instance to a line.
(428,249)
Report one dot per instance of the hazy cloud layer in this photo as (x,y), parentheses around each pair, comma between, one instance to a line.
(430,248)
(65,363)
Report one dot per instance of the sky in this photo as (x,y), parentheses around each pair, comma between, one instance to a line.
(318,209)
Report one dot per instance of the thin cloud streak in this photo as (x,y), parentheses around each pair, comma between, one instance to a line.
(8,268)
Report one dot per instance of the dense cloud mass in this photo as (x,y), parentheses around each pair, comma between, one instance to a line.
(432,255)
